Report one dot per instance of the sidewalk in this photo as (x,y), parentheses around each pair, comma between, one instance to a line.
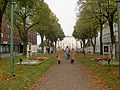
(68,76)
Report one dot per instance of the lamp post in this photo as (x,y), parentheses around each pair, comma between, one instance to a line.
(118,11)
(11,40)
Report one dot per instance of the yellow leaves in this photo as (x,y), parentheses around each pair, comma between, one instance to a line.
(36,84)
(40,79)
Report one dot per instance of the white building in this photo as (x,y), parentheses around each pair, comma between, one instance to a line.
(107,40)
(69,41)
(31,49)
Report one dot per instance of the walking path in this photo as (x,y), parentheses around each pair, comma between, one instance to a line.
(68,76)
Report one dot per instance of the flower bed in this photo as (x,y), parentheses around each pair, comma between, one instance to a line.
(43,58)
(40,58)
(105,61)
(30,62)
(101,59)
(33,61)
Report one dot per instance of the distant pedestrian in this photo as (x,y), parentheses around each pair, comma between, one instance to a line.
(48,50)
(73,55)
(67,51)
(51,50)
(59,54)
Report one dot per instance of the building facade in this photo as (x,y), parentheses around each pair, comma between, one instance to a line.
(107,47)
(18,44)
(106,40)
(69,41)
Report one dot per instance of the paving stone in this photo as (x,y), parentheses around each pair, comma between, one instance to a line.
(68,76)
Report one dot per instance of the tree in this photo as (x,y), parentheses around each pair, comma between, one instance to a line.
(42,15)
(94,10)
(3,5)
(105,11)
(23,13)
(55,31)
(80,32)
(86,27)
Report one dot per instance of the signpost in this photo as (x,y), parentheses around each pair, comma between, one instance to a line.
(11,40)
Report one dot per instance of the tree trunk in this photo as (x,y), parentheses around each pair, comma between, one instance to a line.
(101,43)
(81,44)
(112,32)
(94,44)
(0,28)
(55,45)
(42,37)
(25,47)
(84,46)
(115,50)
(51,43)
(93,48)
(112,37)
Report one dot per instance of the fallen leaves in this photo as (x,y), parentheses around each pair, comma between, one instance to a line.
(8,77)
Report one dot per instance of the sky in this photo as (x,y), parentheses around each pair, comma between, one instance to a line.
(65,10)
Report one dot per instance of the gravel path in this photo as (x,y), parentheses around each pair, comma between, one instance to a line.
(68,76)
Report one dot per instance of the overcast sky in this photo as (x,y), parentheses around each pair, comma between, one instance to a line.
(65,11)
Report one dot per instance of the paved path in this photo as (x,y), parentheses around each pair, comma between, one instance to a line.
(68,76)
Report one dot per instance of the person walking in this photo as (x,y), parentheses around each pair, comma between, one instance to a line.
(67,51)
(73,55)
(48,50)
(59,54)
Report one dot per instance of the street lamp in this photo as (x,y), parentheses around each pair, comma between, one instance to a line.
(118,11)
(11,40)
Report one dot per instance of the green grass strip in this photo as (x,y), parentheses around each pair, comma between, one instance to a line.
(26,75)
(109,75)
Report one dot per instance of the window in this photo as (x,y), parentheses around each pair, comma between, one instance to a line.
(8,26)
(17,37)
(4,35)
(1,34)
(106,49)
(8,36)
(4,27)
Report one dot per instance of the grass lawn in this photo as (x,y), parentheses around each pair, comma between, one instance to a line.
(25,75)
(110,76)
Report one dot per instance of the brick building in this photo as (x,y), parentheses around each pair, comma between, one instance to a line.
(18,45)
